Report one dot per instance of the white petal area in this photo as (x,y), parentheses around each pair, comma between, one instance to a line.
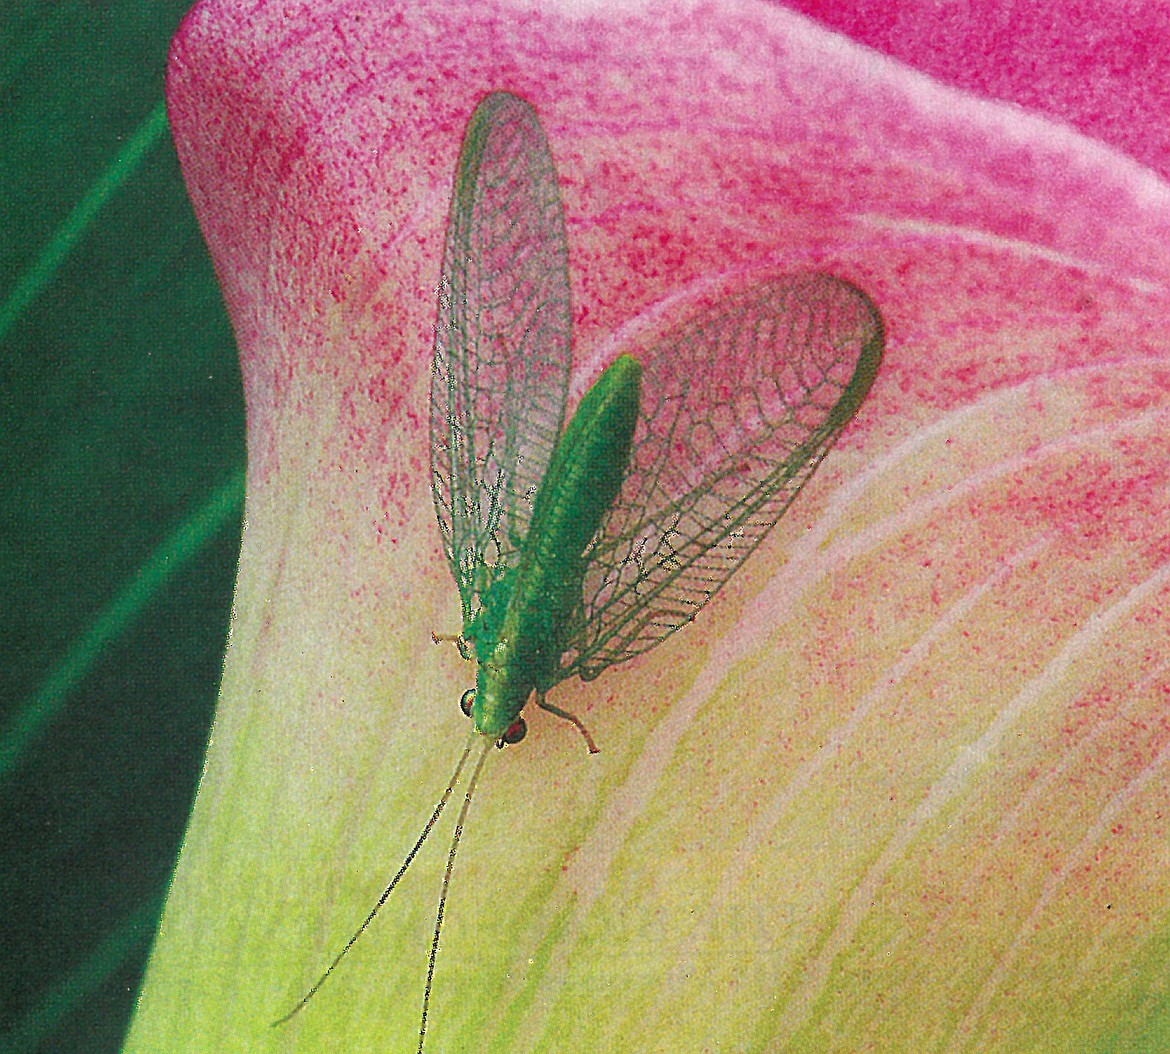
(769,818)
(1079,648)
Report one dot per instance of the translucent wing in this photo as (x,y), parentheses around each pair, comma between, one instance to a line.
(502,342)
(739,406)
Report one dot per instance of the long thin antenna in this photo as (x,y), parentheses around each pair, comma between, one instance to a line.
(394,881)
(422,1028)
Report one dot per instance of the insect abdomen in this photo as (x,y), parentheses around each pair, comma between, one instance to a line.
(588,467)
(584,477)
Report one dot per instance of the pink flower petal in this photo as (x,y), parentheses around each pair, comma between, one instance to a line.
(1102,68)
(902,786)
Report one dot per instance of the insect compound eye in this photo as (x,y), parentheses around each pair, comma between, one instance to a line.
(467,701)
(515,732)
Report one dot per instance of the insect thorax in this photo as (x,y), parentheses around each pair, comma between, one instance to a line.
(484,629)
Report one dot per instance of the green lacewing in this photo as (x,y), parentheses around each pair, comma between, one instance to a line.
(578,547)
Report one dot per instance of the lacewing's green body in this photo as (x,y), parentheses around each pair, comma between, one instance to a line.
(520,633)
(579,547)
(576,551)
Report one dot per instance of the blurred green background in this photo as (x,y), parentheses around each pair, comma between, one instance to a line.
(122,437)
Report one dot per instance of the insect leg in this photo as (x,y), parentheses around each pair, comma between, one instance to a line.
(458,640)
(544,704)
